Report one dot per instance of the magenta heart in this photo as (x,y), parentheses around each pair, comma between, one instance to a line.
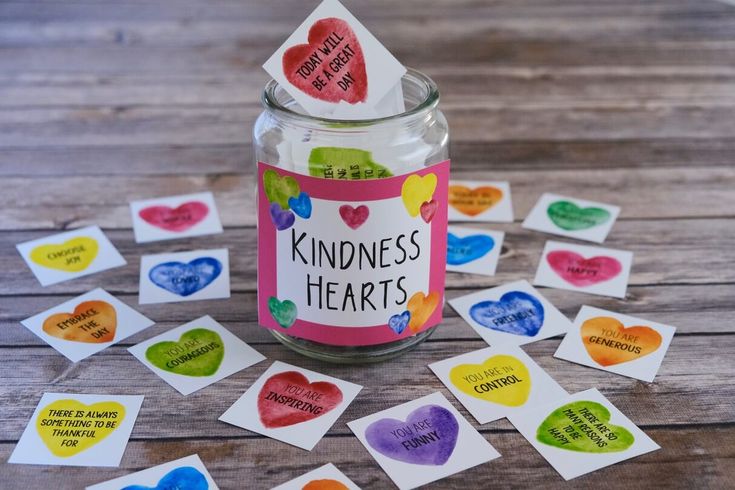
(428,436)
(582,272)
(428,210)
(354,217)
(177,219)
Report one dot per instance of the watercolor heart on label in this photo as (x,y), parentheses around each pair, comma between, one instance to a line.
(515,312)
(329,162)
(417,190)
(568,216)
(103,417)
(282,391)
(279,189)
(463,250)
(354,217)
(472,202)
(421,307)
(177,219)
(501,379)
(581,272)
(73,255)
(608,342)
(283,220)
(427,437)
(398,323)
(283,312)
(184,478)
(428,210)
(326,484)
(591,431)
(198,352)
(92,322)
(328,38)
(301,205)
(186,279)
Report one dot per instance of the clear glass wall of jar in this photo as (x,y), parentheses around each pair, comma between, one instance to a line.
(285,137)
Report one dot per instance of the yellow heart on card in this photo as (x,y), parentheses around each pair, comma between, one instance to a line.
(500,379)
(71,256)
(68,426)
(417,190)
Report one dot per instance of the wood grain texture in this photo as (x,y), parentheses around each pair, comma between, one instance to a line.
(625,102)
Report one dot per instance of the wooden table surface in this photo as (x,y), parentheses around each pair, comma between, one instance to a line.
(626,102)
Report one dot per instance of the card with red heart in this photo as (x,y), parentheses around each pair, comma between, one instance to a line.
(332,59)
(167,218)
(292,404)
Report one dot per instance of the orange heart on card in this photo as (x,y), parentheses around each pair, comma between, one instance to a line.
(474,201)
(608,342)
(326,484)
(421,307)
(92,322)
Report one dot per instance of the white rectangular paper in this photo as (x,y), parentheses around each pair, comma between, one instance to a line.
(574,218)
(328,476)
(473,251)
(167,218)
(186,473)
(484,201)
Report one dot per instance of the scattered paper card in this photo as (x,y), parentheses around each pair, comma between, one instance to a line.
(166,218)
(326,477)
(332,57)
(64,428)
(616,343)
(184,276)
(480,201)
(582,433)
(473,251)
(292,404)
(511,314)
(69,255)
(495,382)
(196,355)
(422,441)
(86,324)
(574,218)
(593,270)
(186,473)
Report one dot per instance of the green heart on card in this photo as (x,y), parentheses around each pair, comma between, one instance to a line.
(280,189)
(199,352)
(283,312)
(330,162)
(584,426)
(570,217)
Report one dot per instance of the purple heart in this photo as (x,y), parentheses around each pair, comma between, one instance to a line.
(282,219)
(428,436)
(398,323)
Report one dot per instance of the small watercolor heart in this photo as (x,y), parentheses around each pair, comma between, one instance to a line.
(581,272)
(421,307)
(186,279)
(283,220)
(288,398)
(428,210)
(176,219)
(301,205)
(354,217)
(398,323)
(279,189)
(472,202)
(328,38)
(92,322)
(417,190)
(427,437)
(568,216)
(326,484)
(501,379)
(283,312)
(463,250)
(608,342)
(74,255)
(515,312)
(198,352)
(591,431)
(183,478)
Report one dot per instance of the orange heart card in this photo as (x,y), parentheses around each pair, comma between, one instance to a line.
(480,201)
(326,477)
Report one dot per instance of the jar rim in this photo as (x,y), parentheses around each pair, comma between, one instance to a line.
(430,101)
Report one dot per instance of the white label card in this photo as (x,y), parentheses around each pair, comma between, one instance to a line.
(326,477)
(474,200)
(166,218)
(186,473)
(574,218)
(473,250)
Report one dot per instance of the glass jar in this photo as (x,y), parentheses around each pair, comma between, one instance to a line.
(370,150)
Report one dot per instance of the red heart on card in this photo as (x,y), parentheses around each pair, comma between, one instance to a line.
(331,67)
(288,398)
(582,272)
(180,218)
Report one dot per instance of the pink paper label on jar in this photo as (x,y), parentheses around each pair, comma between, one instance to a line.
(351,262)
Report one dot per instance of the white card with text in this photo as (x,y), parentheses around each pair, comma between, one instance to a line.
(574,218)
(474,200)
(473,251)
(167,218)
(186,473)
(326,477)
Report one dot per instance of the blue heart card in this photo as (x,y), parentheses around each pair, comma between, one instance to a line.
(473,250)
